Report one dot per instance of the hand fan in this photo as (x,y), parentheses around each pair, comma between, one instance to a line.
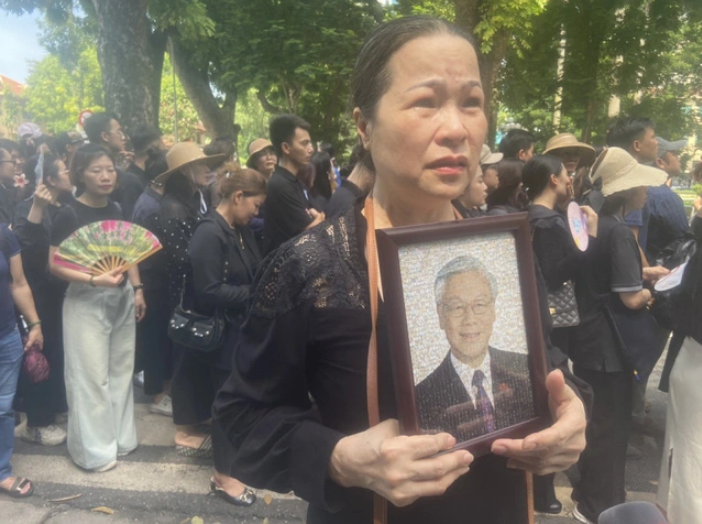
(101,247)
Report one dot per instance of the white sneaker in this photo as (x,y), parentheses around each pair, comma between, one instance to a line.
(580,517)
(163,407)
(46,436)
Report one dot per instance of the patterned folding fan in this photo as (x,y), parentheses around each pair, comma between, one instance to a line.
(101,247)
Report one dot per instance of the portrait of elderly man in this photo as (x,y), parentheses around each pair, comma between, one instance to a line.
(477,389)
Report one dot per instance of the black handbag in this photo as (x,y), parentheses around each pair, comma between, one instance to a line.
(194,331)
(564,307)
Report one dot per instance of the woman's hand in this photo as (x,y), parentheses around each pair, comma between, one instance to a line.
(139,305)
(110,279)
(556,448)
(591,219)
(43,197)
(401,469)
(35,339)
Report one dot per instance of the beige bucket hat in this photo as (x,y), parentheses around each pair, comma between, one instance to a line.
(568,141)
(183,154)
(487,157)
(620,171)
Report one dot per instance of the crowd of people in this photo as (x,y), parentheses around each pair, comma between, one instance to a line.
(278,251)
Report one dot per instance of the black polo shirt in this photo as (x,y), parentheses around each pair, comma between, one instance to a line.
(286,209)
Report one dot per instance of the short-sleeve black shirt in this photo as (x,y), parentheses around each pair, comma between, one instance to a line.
(75,215)
(615,267)
(286,209)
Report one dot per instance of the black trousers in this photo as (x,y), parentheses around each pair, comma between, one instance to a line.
(602,465)
(154,353)
(196,381)
(44,400)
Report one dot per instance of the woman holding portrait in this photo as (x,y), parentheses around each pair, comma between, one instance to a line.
(418,110)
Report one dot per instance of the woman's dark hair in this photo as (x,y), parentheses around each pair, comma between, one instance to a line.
(81,161)
(155,164)
(537,172)
(50,170)
(180,186)
(322,166)
(234,178)
(509,192)
(371,76)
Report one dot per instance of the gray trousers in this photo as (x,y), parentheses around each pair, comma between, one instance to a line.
(99,334)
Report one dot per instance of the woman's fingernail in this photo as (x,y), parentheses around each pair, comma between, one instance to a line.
(499,450)
(530,446)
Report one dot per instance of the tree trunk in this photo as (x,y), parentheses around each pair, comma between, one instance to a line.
(218,120)
(489,67)
(130,73)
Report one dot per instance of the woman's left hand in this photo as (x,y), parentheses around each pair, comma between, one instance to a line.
(139,305)
(35,339)
(556,448)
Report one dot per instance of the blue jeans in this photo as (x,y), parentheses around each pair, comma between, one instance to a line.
(11,353)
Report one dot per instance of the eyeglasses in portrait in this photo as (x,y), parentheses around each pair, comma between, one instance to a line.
(465,330)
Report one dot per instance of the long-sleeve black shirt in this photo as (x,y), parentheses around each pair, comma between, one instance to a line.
(306,333)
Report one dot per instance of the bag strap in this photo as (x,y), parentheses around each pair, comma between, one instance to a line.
(380,505)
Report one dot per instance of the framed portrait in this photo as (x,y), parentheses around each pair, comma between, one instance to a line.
(468,351)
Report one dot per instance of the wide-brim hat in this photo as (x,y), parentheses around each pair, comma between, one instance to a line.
(568,141)
(620,171)
(259,145)
(487,157)
(184,154)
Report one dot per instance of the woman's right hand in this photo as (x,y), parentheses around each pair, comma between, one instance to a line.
(591,219)
(399,468)
(110,279)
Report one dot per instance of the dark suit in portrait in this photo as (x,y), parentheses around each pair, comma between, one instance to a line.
(445,405)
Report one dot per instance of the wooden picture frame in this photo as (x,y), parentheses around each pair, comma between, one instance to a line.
(408,259)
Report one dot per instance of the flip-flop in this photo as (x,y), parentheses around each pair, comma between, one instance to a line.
(203,451)
(17,487)
(247,498)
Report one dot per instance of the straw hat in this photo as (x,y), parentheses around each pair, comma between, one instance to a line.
(620,171)
(259,145)
(568,141)
(184,154)
(487,157)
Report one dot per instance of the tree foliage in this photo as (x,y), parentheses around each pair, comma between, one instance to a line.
(56,95)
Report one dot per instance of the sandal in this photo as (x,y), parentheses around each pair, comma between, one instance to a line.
(203,451)
(17,487)
(247,498)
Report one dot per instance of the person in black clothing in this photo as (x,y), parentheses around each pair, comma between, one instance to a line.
(182,207)
(295,406)
(357,185)
(263,159)
(321,190)
(549,188)
(100,313)
(509,197)
(10,163)
(33,225)
(154,350)
(598,346)
(133,181)
(288,212)
(224,258)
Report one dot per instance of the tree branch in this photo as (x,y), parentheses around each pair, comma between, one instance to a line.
(266,104)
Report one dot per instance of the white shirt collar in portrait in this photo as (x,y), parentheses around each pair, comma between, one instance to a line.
(466,373)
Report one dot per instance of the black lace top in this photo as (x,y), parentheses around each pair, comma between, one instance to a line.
(298,386)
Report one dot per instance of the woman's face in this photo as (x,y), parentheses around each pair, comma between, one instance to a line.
(491,179)
(100,177)
(266,161)
(62,182)
(200,174)
(570,156)
(7,167)
(564,186)
(476,193)
(429,127)
(246,207)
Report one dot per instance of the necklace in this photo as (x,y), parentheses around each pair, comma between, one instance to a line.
(241,239)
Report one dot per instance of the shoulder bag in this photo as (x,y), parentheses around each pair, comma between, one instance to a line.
(563,306)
